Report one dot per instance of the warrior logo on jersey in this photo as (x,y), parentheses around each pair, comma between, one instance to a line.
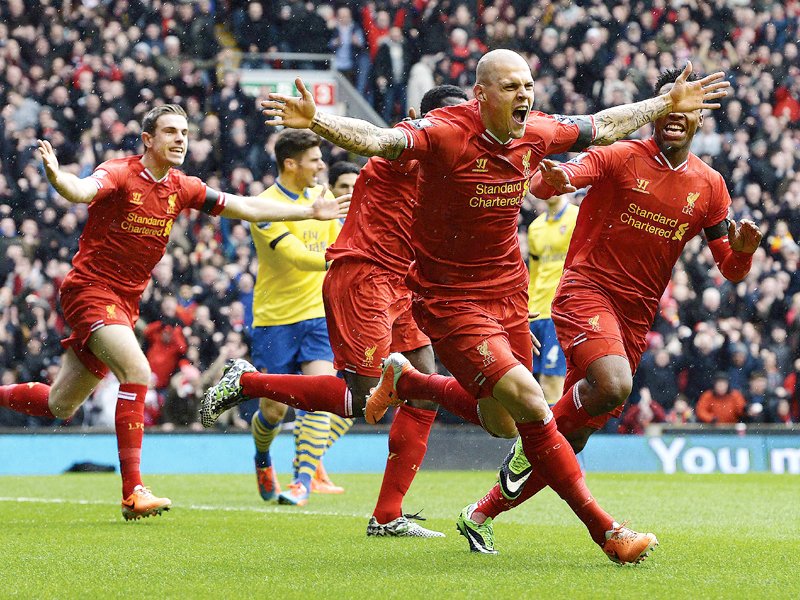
(690,200)
(111,311)
(485,352)
(369,355)
(480,166)
(171,204)
(526,164)
(136,198)
(594,323)
(641,186)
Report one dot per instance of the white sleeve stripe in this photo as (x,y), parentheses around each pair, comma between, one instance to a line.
(409,138)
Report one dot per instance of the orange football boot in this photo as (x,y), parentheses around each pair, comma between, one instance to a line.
(142,503)
(384,394)
(322,484)
(625,546)
(268,485)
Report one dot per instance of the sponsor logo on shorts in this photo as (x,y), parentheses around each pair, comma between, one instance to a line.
(594,323)
(369,356)
(485,352)
(111,311)
(690,200)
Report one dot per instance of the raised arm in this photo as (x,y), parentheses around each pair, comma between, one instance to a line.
(354,135)
(257,210)
(685,96)
(71,187)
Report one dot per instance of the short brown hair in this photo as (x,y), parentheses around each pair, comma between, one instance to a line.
(151,118)
(291,143)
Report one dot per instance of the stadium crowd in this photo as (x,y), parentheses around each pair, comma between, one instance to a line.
(82,74)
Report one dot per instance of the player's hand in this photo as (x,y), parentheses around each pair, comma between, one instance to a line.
(536,343)
(412,113)
(554,176)
(295,112)
(325,209)
(688,96)
(744,236)
(49,160)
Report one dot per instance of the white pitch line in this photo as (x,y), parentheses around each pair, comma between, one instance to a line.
(202,507)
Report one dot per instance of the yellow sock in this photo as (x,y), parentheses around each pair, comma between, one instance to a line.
(311,443)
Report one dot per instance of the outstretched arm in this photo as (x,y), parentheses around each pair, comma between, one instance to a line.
(71,187)
(354,135)
(258,210)
(685,96)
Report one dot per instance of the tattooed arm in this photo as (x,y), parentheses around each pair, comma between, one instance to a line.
(685,96)
(359,137)
(354,135)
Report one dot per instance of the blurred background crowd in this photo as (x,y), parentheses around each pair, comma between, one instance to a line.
(83,73)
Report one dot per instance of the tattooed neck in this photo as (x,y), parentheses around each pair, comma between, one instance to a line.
(359,137)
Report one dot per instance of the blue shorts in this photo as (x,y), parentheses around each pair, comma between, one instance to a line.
(283,348)
(551,360)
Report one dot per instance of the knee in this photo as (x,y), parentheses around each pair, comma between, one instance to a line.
(136,372)
(613,389)
(272,411)
(62,409)
(359,391)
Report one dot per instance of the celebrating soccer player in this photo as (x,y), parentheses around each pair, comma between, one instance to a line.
(648,199)
(133,203)
(468,279)
(367,306)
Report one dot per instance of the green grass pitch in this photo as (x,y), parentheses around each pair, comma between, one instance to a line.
(735,536)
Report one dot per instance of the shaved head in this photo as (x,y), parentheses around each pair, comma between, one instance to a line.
(496,60)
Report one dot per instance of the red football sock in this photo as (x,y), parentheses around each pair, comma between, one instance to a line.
(554,460)
(408,441)
(569,413)
(27,398)
(494,503)
(129,423)
(306,392)
(443,390)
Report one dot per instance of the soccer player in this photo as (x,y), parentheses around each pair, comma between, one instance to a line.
(468,278)
(548,240)
(367,305)
(290,334)
(648,199)
(342,177)
(133,203)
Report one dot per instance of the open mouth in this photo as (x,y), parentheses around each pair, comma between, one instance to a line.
(520,115)
(675,129)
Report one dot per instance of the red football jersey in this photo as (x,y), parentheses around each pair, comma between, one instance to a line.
(470,189)
(378,224)
(635,220)
(130,219)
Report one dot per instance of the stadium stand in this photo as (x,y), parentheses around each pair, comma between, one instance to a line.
(82,73)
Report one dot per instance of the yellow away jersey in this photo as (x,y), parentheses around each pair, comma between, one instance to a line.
(291,263)
(548,240)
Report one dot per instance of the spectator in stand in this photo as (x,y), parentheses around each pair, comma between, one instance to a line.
(166,344)
(721,405)
(392,66)
(681,413)
(639,416)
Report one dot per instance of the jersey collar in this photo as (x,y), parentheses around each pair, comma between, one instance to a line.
(664,162)
(145,173)
(289,194)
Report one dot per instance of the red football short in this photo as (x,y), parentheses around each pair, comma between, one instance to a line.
(478,342)
(87,308)
(588,328)
(368,309)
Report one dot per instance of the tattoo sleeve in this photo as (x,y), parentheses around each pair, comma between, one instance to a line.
(358,136)
(615,123)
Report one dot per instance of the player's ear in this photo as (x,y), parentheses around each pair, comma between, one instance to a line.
(479,93)
(146,137)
